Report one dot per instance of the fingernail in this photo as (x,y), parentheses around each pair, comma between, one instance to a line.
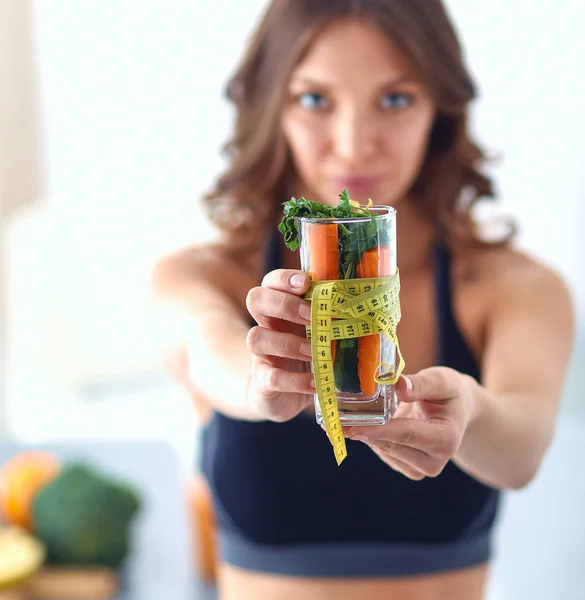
(408,382)
(313,384)
(305,310)
(298,281)
(306,349)
(359,438)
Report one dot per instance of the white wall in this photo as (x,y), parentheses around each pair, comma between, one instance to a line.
(528,58)
(132,103)
(20,177)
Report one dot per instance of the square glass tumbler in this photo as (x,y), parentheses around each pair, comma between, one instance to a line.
(345,249)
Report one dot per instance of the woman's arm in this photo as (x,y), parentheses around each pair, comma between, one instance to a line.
(202,326)
(499,431)
(205,301)
(528,346)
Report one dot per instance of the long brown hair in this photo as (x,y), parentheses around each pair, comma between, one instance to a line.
(260,175)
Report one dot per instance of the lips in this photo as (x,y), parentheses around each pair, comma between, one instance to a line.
(357,185)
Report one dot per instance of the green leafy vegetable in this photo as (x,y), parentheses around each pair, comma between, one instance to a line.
(354,240)
(84,517)
(301,207)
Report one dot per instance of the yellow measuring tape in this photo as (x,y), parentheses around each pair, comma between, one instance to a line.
(344,309)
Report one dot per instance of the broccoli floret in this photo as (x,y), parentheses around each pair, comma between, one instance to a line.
(84,518)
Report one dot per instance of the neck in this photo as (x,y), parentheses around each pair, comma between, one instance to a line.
(415,239)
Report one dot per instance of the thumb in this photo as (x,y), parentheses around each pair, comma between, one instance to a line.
(435,383)
(405,389)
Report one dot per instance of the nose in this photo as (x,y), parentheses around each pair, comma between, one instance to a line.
(353,137)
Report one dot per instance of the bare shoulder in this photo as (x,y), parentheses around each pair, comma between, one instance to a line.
(495,278)
(220,267)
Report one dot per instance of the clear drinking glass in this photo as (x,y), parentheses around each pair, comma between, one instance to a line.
(355,248)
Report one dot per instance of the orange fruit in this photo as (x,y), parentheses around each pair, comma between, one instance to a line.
(20,479)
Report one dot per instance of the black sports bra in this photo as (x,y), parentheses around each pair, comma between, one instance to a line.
(270,479)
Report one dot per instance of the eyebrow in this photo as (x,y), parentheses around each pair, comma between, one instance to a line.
(308,80)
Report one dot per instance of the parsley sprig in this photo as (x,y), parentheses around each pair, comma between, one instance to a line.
(301,207)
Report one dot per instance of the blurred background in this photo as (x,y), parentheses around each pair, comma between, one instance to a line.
(111,122)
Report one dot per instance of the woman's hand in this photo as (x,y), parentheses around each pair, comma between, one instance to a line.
(435,409)
(280,385)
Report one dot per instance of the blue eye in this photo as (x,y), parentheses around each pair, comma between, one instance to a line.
(396,101)
(312,101)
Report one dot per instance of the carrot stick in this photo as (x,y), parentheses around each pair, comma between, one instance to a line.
(322,241)
(374,263)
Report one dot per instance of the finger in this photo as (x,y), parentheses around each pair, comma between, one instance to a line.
(435,383)
(437,439)
(400,466)
(287,280)
(265,302)
(283,363)
(267,342)
(419,461)
(270,380)
(278,406)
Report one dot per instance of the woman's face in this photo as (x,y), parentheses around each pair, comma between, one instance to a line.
(356,117)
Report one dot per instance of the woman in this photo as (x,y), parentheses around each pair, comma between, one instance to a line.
(371,96)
